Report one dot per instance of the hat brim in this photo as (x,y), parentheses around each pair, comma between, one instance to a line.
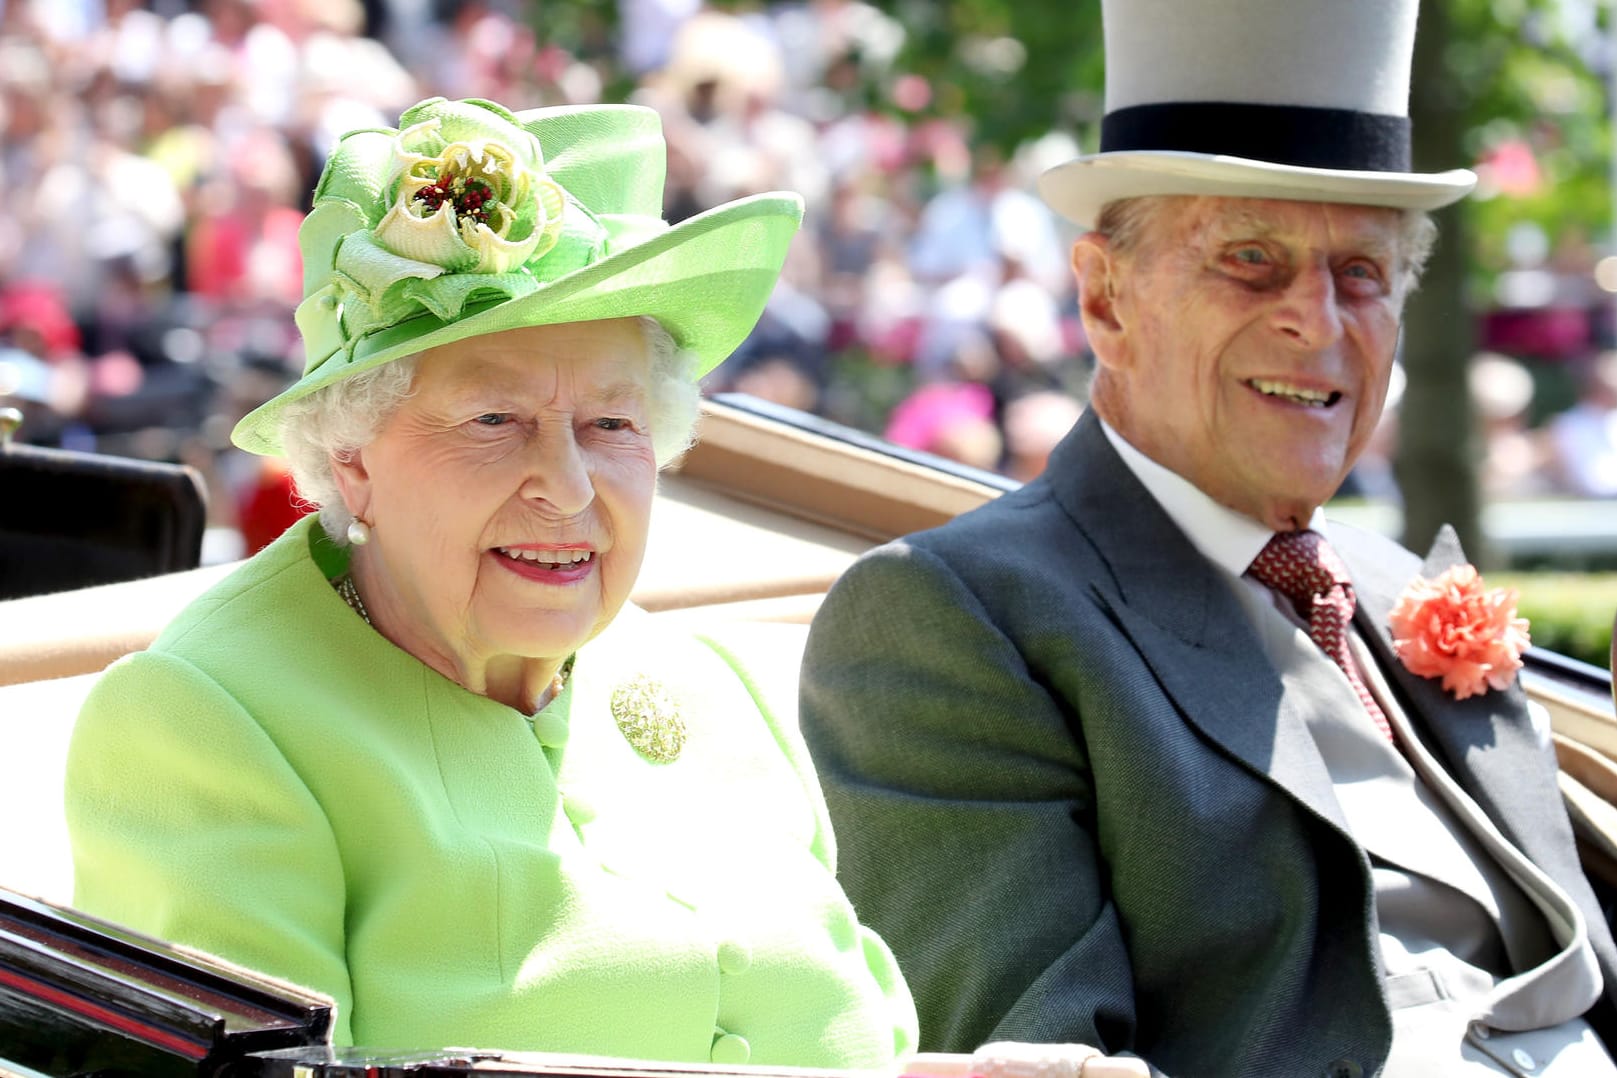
(1079,188)
(706,280)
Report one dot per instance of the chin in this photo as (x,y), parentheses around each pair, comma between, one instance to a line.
(1310,486)
(1294,510)
(556,638)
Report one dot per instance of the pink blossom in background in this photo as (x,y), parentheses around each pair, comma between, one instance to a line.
(920,418)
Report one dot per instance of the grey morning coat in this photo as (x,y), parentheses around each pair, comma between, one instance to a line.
(1074,792)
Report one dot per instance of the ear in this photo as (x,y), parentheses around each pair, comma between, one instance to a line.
(354,482)
(1096,267)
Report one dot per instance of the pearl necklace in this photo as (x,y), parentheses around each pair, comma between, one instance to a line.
(350,595)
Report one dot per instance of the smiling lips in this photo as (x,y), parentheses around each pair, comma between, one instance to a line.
(1309,398)
(547,563)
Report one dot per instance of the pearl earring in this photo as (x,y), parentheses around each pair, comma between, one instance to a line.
(359,533)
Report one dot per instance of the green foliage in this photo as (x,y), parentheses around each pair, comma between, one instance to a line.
(1016,68)
(1514,70)
(864,390)
(1569,612)
(1520,71)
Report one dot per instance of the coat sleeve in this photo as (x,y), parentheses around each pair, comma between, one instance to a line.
(188,823)
(964,811)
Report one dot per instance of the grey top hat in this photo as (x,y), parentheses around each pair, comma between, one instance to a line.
(1298,99)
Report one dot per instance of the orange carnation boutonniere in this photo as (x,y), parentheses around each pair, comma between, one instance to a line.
(1454,628)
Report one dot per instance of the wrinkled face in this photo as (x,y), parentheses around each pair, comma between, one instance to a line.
(1250,344)
(509,496)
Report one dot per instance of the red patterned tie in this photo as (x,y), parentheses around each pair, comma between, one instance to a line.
(1302,566)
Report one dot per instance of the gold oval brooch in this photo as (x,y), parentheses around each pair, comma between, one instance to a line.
(649,718)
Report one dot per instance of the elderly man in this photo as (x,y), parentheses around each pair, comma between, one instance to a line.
(1128,757)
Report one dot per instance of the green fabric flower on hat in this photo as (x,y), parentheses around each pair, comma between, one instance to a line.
(470,205)
(454,205)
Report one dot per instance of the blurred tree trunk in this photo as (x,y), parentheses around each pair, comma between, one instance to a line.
(1438,443)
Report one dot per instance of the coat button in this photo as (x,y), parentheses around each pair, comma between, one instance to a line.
(730,1048)
(1523,1060)
(845,931)
(1344,1068)
(734,958)
(578,809)
(550,729)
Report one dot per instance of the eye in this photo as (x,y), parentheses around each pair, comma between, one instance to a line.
(1364,275)
(1250,262)
(614,423)
(492,419)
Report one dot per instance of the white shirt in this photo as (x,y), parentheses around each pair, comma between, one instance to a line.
(1228,539)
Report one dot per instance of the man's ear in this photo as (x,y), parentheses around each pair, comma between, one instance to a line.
(354,482)
(1095,265)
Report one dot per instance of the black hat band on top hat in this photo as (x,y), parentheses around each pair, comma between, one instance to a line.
(1296,135)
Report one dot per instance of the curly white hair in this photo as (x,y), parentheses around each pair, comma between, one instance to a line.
(336,420)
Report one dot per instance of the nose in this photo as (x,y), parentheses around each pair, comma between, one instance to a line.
(1308,312)
(558,477)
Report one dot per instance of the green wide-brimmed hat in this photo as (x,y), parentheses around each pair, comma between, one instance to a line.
(470,219)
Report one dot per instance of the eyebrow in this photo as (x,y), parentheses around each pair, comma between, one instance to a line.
(1240,219)
(505,385)
(626,389)
(1241,222)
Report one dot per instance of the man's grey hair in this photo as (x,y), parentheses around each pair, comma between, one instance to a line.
(1126,223)
(337,420)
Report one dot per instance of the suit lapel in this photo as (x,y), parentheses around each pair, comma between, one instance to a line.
(1184,618)
(1487,742)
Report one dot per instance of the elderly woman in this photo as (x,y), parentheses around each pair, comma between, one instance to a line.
(422,757)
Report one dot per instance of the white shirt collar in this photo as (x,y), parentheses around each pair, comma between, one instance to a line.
(1226,538)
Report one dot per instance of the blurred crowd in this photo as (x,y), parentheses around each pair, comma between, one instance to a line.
(156,157)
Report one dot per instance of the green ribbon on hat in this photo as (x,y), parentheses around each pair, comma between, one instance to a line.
(452,207)
(456,224)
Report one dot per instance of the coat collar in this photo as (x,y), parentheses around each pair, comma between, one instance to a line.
(1157,574)
(1185,618)
(1191,629)
(1154,566)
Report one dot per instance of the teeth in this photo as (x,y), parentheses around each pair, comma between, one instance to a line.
(548,557)
(1291,392)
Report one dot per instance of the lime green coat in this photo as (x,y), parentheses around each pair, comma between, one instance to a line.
(274,782)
